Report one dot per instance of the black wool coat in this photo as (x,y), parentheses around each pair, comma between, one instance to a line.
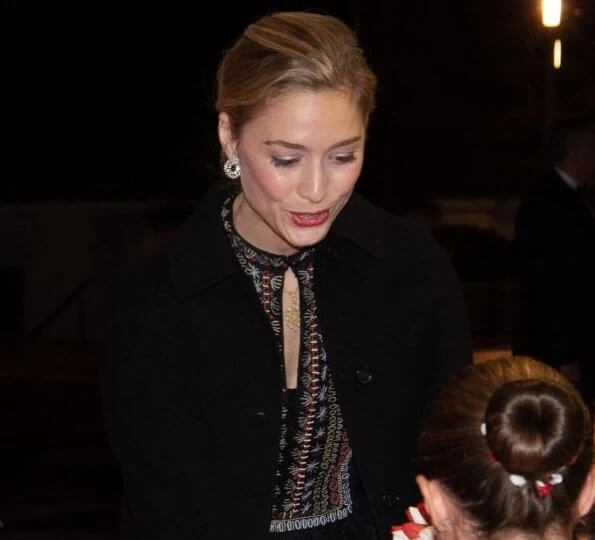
(191,379)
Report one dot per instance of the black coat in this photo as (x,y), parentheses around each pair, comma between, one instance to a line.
(555,244)
(191,382)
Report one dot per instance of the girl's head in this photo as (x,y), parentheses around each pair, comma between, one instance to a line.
(507,452)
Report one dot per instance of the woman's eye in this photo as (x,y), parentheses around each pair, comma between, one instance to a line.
(283,162)
(346,158)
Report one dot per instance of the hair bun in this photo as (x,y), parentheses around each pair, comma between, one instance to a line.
(533,427)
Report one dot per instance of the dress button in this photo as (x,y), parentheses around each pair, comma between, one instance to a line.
(390,498)
(364,375)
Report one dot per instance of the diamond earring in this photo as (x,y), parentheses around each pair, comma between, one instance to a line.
(232,167)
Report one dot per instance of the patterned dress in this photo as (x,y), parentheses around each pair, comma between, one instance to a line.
(312,481)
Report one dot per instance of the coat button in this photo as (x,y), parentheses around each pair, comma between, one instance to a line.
(257,416)
(364,375)
(390,498)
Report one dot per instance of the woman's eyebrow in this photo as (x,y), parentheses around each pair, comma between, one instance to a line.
(295,146)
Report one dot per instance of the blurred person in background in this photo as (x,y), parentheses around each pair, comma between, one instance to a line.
(555,246)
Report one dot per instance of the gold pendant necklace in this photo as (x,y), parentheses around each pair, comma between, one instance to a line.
(292,313)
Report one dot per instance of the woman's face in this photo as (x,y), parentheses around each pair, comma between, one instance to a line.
(300,161)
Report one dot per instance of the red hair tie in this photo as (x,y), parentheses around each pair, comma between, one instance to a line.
(544,489)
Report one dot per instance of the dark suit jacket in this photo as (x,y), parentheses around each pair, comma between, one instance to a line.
(191,380)
(555,243)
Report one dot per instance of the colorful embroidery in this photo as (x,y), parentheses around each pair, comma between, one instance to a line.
(312,478)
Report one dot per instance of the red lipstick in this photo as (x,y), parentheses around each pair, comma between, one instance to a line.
(306,219)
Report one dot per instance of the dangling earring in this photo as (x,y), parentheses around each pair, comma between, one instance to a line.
(232,167)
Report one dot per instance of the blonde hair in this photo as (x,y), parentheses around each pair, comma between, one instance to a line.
(288,51)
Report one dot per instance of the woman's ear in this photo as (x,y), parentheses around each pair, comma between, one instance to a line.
(586,497)
(226,138)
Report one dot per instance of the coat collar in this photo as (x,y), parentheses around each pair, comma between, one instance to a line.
(201,255)
(360,222)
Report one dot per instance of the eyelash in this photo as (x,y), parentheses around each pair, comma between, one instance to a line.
(347,158)
(280,162)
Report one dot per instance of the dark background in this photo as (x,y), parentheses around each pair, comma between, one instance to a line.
(114,100)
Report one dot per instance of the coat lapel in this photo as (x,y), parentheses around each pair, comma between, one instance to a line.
(201,259)
(345,260)
(201,256)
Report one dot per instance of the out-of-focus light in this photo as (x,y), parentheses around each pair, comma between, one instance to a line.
(557,54)
(551,12)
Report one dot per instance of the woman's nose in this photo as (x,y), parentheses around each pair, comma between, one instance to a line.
(314,186)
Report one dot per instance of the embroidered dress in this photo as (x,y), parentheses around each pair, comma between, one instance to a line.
(312,481)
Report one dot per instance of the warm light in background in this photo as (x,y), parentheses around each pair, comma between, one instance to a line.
(551,12)
(557,54)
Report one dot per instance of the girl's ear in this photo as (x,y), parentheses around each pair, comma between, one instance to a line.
(442,513)
(586,497)
(226,138)
(434,499)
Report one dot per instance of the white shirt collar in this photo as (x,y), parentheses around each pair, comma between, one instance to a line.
(571,182)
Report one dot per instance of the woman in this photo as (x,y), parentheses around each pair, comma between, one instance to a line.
(506,452)
(262,372)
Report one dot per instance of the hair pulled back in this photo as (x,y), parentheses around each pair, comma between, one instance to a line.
(536,426)
(292,51)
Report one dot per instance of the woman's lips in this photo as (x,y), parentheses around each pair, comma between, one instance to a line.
(307,219)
